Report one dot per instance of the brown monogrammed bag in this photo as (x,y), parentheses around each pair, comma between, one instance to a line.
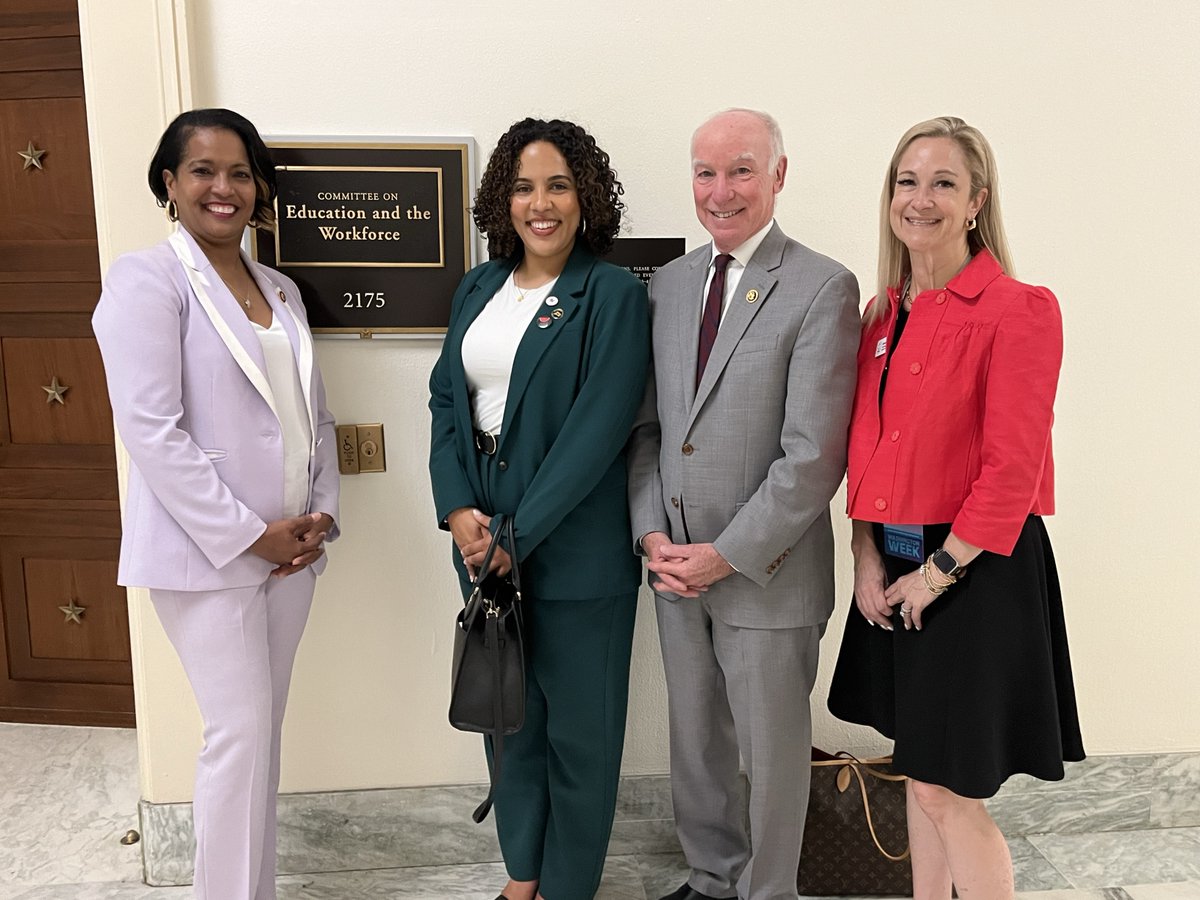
(856,833)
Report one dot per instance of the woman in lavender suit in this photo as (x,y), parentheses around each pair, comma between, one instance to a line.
(233,482)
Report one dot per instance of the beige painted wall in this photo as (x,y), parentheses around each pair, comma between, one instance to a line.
(1092,111)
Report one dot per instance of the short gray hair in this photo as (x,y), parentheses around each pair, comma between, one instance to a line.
(774,132)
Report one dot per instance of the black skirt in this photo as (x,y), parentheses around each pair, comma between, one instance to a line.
(984,690)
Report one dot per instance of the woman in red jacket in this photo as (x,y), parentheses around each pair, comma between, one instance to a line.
(958,647)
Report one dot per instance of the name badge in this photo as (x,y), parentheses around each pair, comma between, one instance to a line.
(904,542)
(881,347)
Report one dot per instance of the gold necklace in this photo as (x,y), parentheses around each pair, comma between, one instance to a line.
(520,293)
(244,300)
(909,297)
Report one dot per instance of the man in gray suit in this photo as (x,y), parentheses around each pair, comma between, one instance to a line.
(739,448)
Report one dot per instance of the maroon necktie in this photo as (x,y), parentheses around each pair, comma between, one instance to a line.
(712,315)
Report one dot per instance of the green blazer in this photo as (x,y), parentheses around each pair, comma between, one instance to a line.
(559,468)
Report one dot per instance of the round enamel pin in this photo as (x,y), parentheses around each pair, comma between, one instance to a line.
(552,300)
(558,314)
(751,295)
(543,321)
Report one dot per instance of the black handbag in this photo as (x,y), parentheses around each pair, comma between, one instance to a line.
(856,831)
(487,679)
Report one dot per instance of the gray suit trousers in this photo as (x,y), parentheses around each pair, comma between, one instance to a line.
(738,691)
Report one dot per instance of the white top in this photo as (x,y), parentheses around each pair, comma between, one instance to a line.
(293,414)
(490,346)
(733,272)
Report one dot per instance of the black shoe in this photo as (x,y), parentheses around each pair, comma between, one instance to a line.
(687,892)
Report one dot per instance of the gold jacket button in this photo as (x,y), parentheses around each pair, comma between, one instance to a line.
(688,449)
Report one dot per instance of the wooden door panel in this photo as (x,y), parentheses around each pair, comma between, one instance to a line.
(54,202)
(49,297)
(56,592)
(59,523)
(52,488)
(31,85)
(33,367)
(38,18)
(41,53)
(77,671)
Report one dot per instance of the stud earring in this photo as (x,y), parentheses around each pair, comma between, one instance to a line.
(971,224)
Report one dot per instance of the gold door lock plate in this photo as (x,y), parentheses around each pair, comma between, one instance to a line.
(361,449)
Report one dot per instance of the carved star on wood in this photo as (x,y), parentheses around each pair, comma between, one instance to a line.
(32,156)
(73,611)
(55,391)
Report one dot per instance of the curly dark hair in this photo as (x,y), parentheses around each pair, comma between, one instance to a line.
(596,184)
(173,144)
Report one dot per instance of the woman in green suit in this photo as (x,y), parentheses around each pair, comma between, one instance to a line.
(533,398)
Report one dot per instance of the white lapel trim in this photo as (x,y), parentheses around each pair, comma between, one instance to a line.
(304,358)
(240,356)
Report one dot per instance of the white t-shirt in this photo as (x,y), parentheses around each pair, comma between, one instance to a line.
(490,346)
(293,414)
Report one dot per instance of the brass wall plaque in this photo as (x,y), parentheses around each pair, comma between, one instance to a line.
(376,234)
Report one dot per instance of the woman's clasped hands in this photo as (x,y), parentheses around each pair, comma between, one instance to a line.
(470,530)
(293,543)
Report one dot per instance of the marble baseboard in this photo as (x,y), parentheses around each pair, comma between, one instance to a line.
(431,826)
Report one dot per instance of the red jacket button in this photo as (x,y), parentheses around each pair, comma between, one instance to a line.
(941,298)
(880,504)
(895,435)
(915,368)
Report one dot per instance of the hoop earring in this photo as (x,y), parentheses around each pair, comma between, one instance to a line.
(172,211)
(253,223)
(582,227)
(971,223)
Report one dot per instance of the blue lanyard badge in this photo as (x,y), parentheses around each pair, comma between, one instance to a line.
(904,542)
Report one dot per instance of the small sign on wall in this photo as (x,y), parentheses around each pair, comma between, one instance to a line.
(643,256)
(376,234)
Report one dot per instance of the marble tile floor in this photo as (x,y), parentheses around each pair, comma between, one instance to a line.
(67,795)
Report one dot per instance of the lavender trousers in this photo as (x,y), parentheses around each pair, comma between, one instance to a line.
(237,647)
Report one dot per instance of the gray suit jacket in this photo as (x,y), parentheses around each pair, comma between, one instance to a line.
(750,459)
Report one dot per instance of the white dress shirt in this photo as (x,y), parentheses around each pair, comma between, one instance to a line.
(733,272)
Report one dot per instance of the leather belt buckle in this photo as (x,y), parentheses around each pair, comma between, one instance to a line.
(485,443)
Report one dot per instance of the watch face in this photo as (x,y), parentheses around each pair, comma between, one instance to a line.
(946,563)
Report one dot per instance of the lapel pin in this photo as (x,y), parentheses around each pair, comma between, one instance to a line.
(558,314)
(751,295)
(282,298)
(544,321)
(552,300)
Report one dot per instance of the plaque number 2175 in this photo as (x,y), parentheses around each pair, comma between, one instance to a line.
(361,300)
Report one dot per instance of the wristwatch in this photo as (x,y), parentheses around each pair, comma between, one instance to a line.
(945,563)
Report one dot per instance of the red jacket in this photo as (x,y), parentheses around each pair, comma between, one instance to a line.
(964,431)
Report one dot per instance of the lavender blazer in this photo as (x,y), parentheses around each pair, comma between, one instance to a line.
(195,410)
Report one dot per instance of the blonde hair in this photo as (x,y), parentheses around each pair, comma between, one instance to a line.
(894,263)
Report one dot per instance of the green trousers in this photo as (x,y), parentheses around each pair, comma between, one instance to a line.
(558,785)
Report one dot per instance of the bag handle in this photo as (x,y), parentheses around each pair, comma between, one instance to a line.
(505,530)
(854,764)
(504,527)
